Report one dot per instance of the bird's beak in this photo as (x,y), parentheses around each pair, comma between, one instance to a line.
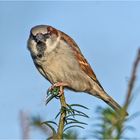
(40,38)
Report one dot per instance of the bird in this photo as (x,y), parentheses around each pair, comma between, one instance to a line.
(59,59)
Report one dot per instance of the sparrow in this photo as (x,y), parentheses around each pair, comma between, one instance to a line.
(59,59)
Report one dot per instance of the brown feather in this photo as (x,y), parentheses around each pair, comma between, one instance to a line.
(85,66)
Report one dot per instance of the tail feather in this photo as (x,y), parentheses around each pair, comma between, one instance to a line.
(110,101)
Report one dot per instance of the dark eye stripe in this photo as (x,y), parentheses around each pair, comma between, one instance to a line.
(47,35)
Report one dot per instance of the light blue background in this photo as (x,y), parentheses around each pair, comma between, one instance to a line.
(108,34)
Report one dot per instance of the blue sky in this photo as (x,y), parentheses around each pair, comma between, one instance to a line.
(108,34)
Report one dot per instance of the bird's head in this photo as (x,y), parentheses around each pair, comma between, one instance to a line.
(43,39)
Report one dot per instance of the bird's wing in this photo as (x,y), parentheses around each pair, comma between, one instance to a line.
(85,66)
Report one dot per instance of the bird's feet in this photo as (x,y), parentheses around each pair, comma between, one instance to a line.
(57,85)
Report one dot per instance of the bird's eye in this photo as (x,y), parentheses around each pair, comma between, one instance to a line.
(47,35)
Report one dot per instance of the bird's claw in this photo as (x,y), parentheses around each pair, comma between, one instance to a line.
(56,90)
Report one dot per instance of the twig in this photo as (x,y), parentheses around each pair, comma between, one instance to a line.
(24,120)
(59,134)
(131,84)
(132,81)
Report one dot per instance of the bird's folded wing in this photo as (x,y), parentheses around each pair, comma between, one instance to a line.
(85,66)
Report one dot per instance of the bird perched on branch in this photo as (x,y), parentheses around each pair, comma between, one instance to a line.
(59,59)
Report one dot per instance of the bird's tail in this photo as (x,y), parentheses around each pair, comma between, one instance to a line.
(109,100)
